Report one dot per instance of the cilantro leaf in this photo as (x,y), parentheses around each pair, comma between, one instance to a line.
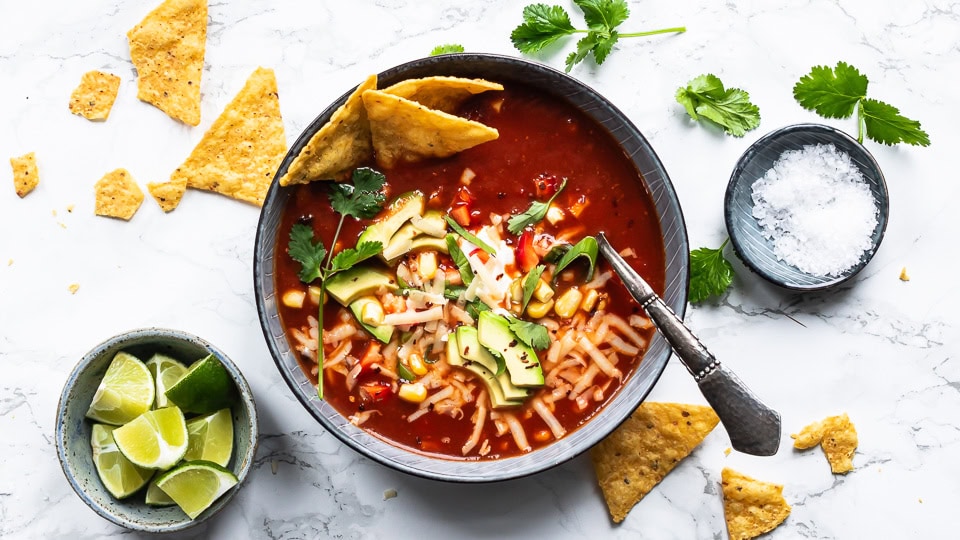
(710,273)
(584,46)
(475,307)
(886,125)
(531,333)
(603,15)
(537,211)
(362,199)
(705,96)
(470,237)
(542,25)
(530,285)
(449,48)
(459,259)
(302,249)
(831,94)
(348,258)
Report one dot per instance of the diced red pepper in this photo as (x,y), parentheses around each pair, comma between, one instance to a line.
(527,258)
(481,254)
(376,391)
(461,214)
(461,206)
(545,185)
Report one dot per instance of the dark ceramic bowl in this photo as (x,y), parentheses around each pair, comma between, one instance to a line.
(505,70)
(754,249)
(73,429)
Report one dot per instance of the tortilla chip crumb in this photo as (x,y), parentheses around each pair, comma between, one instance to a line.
(642,451)
(921,501)
(95,95)
(70,208)
(74,287)
(751,507)
(117,195)
(10,262)
(389,494)
(726,452)
(838,438)
(62,224)
(167,194)
(25,173)
(54,212)
(903,274)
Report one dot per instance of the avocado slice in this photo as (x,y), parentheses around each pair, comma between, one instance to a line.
(382,332)
(497,399)
(358,281)
(400,242)
(522,362)
(432,223)
(470,349)
(399,212)
(425,242)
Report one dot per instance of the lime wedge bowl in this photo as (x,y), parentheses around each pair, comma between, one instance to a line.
(74,429)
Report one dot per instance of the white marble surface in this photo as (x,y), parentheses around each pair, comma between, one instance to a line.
(883,350)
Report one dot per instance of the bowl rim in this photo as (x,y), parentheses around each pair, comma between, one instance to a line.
(244,462)
(737,176)
(504,472)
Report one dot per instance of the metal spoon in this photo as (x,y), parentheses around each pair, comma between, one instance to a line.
(753,427)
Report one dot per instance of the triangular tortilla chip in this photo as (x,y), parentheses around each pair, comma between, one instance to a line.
(167,49)
(25,173)
(441,93)
(241,151)
(117,195)
(340,146)
(167,194)
(405,131)
(838,438)
(641,452)
(751,507)
(94,96)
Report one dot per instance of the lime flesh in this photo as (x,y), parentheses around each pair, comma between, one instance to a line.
(121,477)
(157,497)
(125,392)
(155,440)
(166,372)
(195,485)
(211,438)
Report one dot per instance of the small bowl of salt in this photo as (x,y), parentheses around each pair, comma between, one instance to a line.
(806,207)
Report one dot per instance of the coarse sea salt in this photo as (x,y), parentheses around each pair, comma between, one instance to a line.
(816,208)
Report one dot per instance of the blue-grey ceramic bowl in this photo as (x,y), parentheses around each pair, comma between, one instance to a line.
(506,70)
(749,243)
(73,429)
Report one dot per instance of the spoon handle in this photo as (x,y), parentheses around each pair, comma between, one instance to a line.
(753,427)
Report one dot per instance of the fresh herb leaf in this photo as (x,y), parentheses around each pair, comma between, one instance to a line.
(404,373)
(542,25)
(453,292)
(348,258)
(449,48)
(729,108)
(474,308)
(710,273)
(842,91)
(587,247)
(302,249)
(556,253)
(470,237)
(459,259)
(531,333)
(530,285)
(362,199)
(537,211)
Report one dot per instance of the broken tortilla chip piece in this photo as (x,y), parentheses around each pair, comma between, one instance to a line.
(645,448)
(167,49)
(25,173)
(838,438)
(441,93)
(340,146)
(94,96)
(406,131)
(167,194)
(117,195)
(751,507)
(241,151)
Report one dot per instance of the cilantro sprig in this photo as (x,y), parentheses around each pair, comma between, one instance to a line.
(730,108)
(537,211)
(448,48)
(531,333)
(543,25)
(710,273)
(842,91)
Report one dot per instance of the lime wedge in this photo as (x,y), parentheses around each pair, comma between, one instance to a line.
(166,371)
(155,439)
(206,387)
(157,497)
(119,476)
(211,438)
(195,485)
(125,392)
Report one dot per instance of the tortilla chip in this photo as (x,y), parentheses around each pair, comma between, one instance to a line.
(642,451)
(117,195)
(167,50)
(751,507)
(405,131)
(25,173)
(441,93)
(340,146)
(95,95)
(838,438)
(241,151)
(167,194)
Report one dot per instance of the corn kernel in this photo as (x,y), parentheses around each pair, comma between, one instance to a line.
(568,303)
(544,291)
(413,392)
(416,365)
(602,304)
(315,293)
(590,300)
(516,290)
(294,298)
(372,312)
(427,265)
(538,310)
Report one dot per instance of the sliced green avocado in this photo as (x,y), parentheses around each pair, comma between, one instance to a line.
(425,242)
(522,363)
(400,242)
(399,212)
(382,332)
(497,399)
(470,349)
(358,281)
(432,223)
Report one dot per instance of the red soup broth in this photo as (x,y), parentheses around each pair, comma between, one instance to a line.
(542,139)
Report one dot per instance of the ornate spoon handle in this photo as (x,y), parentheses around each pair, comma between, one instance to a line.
(753,427)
